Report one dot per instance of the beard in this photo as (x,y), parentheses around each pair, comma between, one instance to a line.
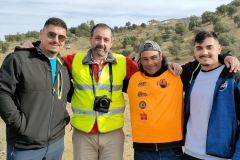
(52,52)
(99,52)
(205,64)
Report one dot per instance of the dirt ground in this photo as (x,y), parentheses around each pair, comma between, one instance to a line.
(128,151)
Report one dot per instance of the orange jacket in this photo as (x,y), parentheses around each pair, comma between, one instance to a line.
(156,107)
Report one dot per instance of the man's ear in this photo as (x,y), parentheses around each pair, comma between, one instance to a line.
(220,49)
(160,55)
(40,34)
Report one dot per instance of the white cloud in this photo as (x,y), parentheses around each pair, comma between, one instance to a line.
(25,15)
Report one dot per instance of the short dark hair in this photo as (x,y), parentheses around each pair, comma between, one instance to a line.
(202,35)
(102,25)
(55,21)
(163,67)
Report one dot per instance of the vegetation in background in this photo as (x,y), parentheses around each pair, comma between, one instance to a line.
(174,37)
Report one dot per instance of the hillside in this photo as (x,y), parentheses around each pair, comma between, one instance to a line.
(81,44)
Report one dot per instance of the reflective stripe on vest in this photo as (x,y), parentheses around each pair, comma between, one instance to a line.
(99,87)
(93,113)
(84,116)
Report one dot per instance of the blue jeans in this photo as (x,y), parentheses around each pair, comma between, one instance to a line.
(168,154)
(51,152)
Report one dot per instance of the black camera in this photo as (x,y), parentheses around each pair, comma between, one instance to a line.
(102,104)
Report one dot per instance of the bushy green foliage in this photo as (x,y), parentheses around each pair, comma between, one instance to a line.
(231,9)
(143,25)
(235,3)
(236,20)
(207,17)
(4,47)
(233,48)
(167,29)
(177,38)
(160,28)
(82,30)
(175,49)
(91,24)
(194,22)
(181,28)
(216,18)
(128,24)
(226,39)
(196,30)
(126,52)
(32,34)
(221,27)
(18,37)
(72,30)
(165,37)
(128,41)
(222,10)
(134,26)
(158,40)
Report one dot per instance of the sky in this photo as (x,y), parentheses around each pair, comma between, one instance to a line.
(21,16)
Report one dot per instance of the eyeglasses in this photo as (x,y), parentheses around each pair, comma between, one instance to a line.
(51,35)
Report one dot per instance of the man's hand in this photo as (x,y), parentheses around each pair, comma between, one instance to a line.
(27,44)
(232,63)
(175,68)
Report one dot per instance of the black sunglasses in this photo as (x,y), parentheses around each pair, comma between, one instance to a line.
(51,35)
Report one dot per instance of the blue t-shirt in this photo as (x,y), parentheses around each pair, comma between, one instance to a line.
(53,62)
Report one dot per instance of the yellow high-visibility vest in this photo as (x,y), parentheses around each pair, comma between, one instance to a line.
(82,101)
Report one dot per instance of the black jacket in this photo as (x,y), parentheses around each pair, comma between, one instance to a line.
(33,108)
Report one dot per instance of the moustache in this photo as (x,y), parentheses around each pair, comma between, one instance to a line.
(100,47)
(54,43)
(205,56)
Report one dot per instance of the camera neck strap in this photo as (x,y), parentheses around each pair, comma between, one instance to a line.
(110,78)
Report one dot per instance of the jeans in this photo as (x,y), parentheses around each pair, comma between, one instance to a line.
(168,154)
(51,152)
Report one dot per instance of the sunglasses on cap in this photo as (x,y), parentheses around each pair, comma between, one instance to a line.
(51,35)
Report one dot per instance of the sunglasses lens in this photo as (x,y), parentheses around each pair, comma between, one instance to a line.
(61,38)
(51,34)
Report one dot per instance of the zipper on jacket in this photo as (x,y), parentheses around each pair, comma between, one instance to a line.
(59,65)
(156,147)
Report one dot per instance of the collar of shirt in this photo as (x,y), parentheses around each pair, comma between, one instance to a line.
(97,62)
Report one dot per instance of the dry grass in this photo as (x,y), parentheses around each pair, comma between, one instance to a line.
(2,140)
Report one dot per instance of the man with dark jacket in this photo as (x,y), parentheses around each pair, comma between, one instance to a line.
(212,105)
(34,83)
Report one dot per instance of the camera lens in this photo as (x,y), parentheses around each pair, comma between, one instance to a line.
(104,102)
